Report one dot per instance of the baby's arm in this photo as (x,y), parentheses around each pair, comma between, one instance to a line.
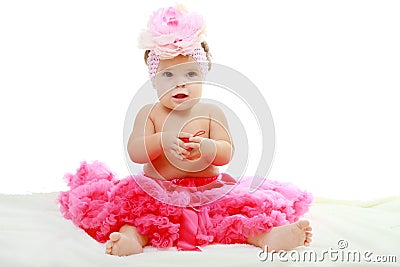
(144,144)
(219,133)
(216,150)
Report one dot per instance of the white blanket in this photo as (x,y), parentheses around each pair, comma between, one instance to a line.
(33,233)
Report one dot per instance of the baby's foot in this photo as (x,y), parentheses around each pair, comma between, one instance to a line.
(287,237)
(123,244)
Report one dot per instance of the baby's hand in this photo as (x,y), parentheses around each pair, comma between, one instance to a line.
(199,146)
(173,145)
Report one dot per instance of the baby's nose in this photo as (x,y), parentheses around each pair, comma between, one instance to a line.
(181,85)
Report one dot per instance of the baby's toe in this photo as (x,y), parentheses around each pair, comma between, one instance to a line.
(109,246)
(114,237)
(115,249)
(303,224)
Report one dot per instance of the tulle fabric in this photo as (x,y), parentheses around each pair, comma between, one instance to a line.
(100,204)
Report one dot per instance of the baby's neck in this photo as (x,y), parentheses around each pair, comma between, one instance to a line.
(182,112)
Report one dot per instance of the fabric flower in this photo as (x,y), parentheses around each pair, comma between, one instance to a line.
(173,31)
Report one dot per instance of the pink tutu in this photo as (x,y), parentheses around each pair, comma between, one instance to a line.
(183,212)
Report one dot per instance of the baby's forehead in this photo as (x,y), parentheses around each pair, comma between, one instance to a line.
(178,66)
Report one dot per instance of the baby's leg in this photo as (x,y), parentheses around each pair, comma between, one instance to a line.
(285,237)
(126,242)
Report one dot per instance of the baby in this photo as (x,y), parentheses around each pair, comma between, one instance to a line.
(181,141)
(156,141)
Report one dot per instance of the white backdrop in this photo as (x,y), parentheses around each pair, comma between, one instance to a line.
(329,71)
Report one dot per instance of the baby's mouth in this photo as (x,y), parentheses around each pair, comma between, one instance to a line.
(180,95)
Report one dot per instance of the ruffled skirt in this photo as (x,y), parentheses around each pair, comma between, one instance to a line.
(183,212)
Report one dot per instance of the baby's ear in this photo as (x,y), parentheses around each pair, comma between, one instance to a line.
(146,55)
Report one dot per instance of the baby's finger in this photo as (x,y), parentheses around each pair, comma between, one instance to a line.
(185,135)
(181,143)
(196,139)
(192,145)
(180,150)
(175,154)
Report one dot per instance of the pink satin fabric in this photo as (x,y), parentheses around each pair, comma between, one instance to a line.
(190,219)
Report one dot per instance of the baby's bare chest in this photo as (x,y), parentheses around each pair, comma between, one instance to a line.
(190,122)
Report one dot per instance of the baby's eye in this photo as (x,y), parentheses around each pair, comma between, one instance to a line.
(167,74)
(192,74)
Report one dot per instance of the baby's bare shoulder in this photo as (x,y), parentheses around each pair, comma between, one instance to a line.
(145,111)
(150,109)
(210,107)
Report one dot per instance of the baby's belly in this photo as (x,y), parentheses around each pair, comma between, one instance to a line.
(163,170)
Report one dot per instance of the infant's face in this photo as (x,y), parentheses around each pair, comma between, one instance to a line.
(178,82)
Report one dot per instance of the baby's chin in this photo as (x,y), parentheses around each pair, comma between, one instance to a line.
(180,106)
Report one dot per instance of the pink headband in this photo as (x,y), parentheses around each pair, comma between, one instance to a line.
(171,32)
(198,55)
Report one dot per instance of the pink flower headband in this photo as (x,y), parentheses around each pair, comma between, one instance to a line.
(171,32)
